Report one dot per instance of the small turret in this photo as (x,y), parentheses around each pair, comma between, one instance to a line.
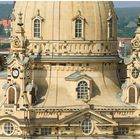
(19,42)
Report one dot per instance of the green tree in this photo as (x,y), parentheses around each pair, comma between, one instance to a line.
(2,31)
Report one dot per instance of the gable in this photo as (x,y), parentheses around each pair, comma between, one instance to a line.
(77,117)
(77,76)
(15,60)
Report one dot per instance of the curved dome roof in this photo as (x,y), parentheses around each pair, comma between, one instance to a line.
(58,17)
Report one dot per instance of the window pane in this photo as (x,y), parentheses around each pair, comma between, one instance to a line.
(86,126)
(78,28)
(82,90)
(46,131)
(8,128)
(37,28)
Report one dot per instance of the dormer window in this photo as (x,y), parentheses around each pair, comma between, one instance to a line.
(37,25)
(37,28)
(83,85)
(82,90)
(78,28)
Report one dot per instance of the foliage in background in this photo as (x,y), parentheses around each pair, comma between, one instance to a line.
(4,46)
(127,16)
(4,33)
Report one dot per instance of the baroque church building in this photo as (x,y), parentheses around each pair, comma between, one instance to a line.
(62,77)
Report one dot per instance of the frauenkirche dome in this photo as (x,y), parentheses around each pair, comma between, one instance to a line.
(62,78)
(96,22)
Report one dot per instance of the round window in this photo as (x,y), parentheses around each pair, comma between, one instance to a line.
(135,73)
(87,126)
(8,128)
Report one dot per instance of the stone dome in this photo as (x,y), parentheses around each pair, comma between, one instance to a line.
(59,22)
(57,18)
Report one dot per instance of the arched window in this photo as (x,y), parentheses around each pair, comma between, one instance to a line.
(131,95)
(86,126)
(33,96)
(78,28)
(82,90)
(11,96)
(37,28)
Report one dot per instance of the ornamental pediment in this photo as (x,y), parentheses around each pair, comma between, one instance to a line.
(77,76)
(18,60)
(78,117)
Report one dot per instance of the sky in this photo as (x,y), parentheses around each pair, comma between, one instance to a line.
(120,4)
(117,4)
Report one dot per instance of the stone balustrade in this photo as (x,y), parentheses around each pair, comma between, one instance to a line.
(71,48)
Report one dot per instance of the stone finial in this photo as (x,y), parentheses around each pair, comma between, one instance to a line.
(79,13)
(109,12)
(20,19)
(38,12)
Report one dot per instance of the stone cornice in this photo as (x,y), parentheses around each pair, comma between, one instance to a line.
(103,58)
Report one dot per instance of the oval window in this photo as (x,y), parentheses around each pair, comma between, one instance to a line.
(8,128)
(87,126)
(135,73)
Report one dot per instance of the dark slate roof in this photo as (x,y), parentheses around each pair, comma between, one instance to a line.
(77,76)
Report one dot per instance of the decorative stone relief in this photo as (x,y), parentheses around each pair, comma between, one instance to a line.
(135,42)
(15,42)
(71,48)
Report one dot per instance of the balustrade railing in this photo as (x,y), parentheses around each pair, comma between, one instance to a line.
(73,47)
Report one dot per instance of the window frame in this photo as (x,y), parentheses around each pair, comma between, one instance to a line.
(82,28)
(83,125)
(41,21)
(44,132)
(13,127)
(123,130)
(136,94)
(78,28)
(135,73)
(82,88)
(8,96)
(37,27)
